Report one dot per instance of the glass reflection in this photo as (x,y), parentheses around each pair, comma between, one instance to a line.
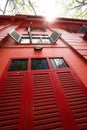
(58,63)
(39,64)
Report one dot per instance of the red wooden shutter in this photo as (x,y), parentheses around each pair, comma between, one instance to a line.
(52,100)
(76,98)
(59,101)
(46,114)
(45,107)
(11,101)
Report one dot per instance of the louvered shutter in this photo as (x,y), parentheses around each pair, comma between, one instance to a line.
(58,101)
(51,100)
(54,36)
(12,96)
(75,96)
(15,35)
(45,108)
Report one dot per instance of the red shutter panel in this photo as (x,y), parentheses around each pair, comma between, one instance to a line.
(46,111)
(54,100)
(11,101)
(76,97)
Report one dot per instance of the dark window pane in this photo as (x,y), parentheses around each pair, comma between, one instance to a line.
(39,64)
(83,29)
(19,64)
(58,63)
(38,29)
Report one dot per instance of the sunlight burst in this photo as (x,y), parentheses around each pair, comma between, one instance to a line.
(51,10)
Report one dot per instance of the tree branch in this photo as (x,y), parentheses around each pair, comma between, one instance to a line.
(81,2)
(5,6)
(80,5)
(32,7)
(16,7)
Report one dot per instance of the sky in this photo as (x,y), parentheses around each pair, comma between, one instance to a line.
(48,8)
(2,3)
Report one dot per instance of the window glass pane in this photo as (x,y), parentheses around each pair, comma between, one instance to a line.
(45,40)
(40,39)
(36,40)
(39,64)
(58,63)
(19,64)
(25,40)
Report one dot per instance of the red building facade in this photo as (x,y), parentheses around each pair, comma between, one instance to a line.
(43,73)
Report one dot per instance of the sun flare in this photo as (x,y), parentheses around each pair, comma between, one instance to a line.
(50,9)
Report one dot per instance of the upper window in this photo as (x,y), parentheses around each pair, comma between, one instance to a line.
(25,40)
(45,39)
(58,63)
(18,65)
(73,28)
(37,64)
(83,29)
(35,39)
(18,38)
(40,39)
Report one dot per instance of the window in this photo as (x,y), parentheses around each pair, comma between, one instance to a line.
(42,39)
(37,64)
(18,38)
(46,39)
(25,40)
(18,65)
(34,39)
(58,63)
(73,28)
(83,29)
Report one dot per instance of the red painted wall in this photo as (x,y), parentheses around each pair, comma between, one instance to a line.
(64,47)
(71,58)
(43,99)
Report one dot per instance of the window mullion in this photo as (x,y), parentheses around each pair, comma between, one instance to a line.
(41,38)
(30,35)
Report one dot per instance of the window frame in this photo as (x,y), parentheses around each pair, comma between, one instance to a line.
(55,64)
(19,58)
(25,37)
(29,64)
(18,38)
(36,37)
(39,69)
(41,37)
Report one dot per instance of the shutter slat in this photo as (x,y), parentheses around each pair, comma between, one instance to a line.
(46,113)
(10,101)
(76,98)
